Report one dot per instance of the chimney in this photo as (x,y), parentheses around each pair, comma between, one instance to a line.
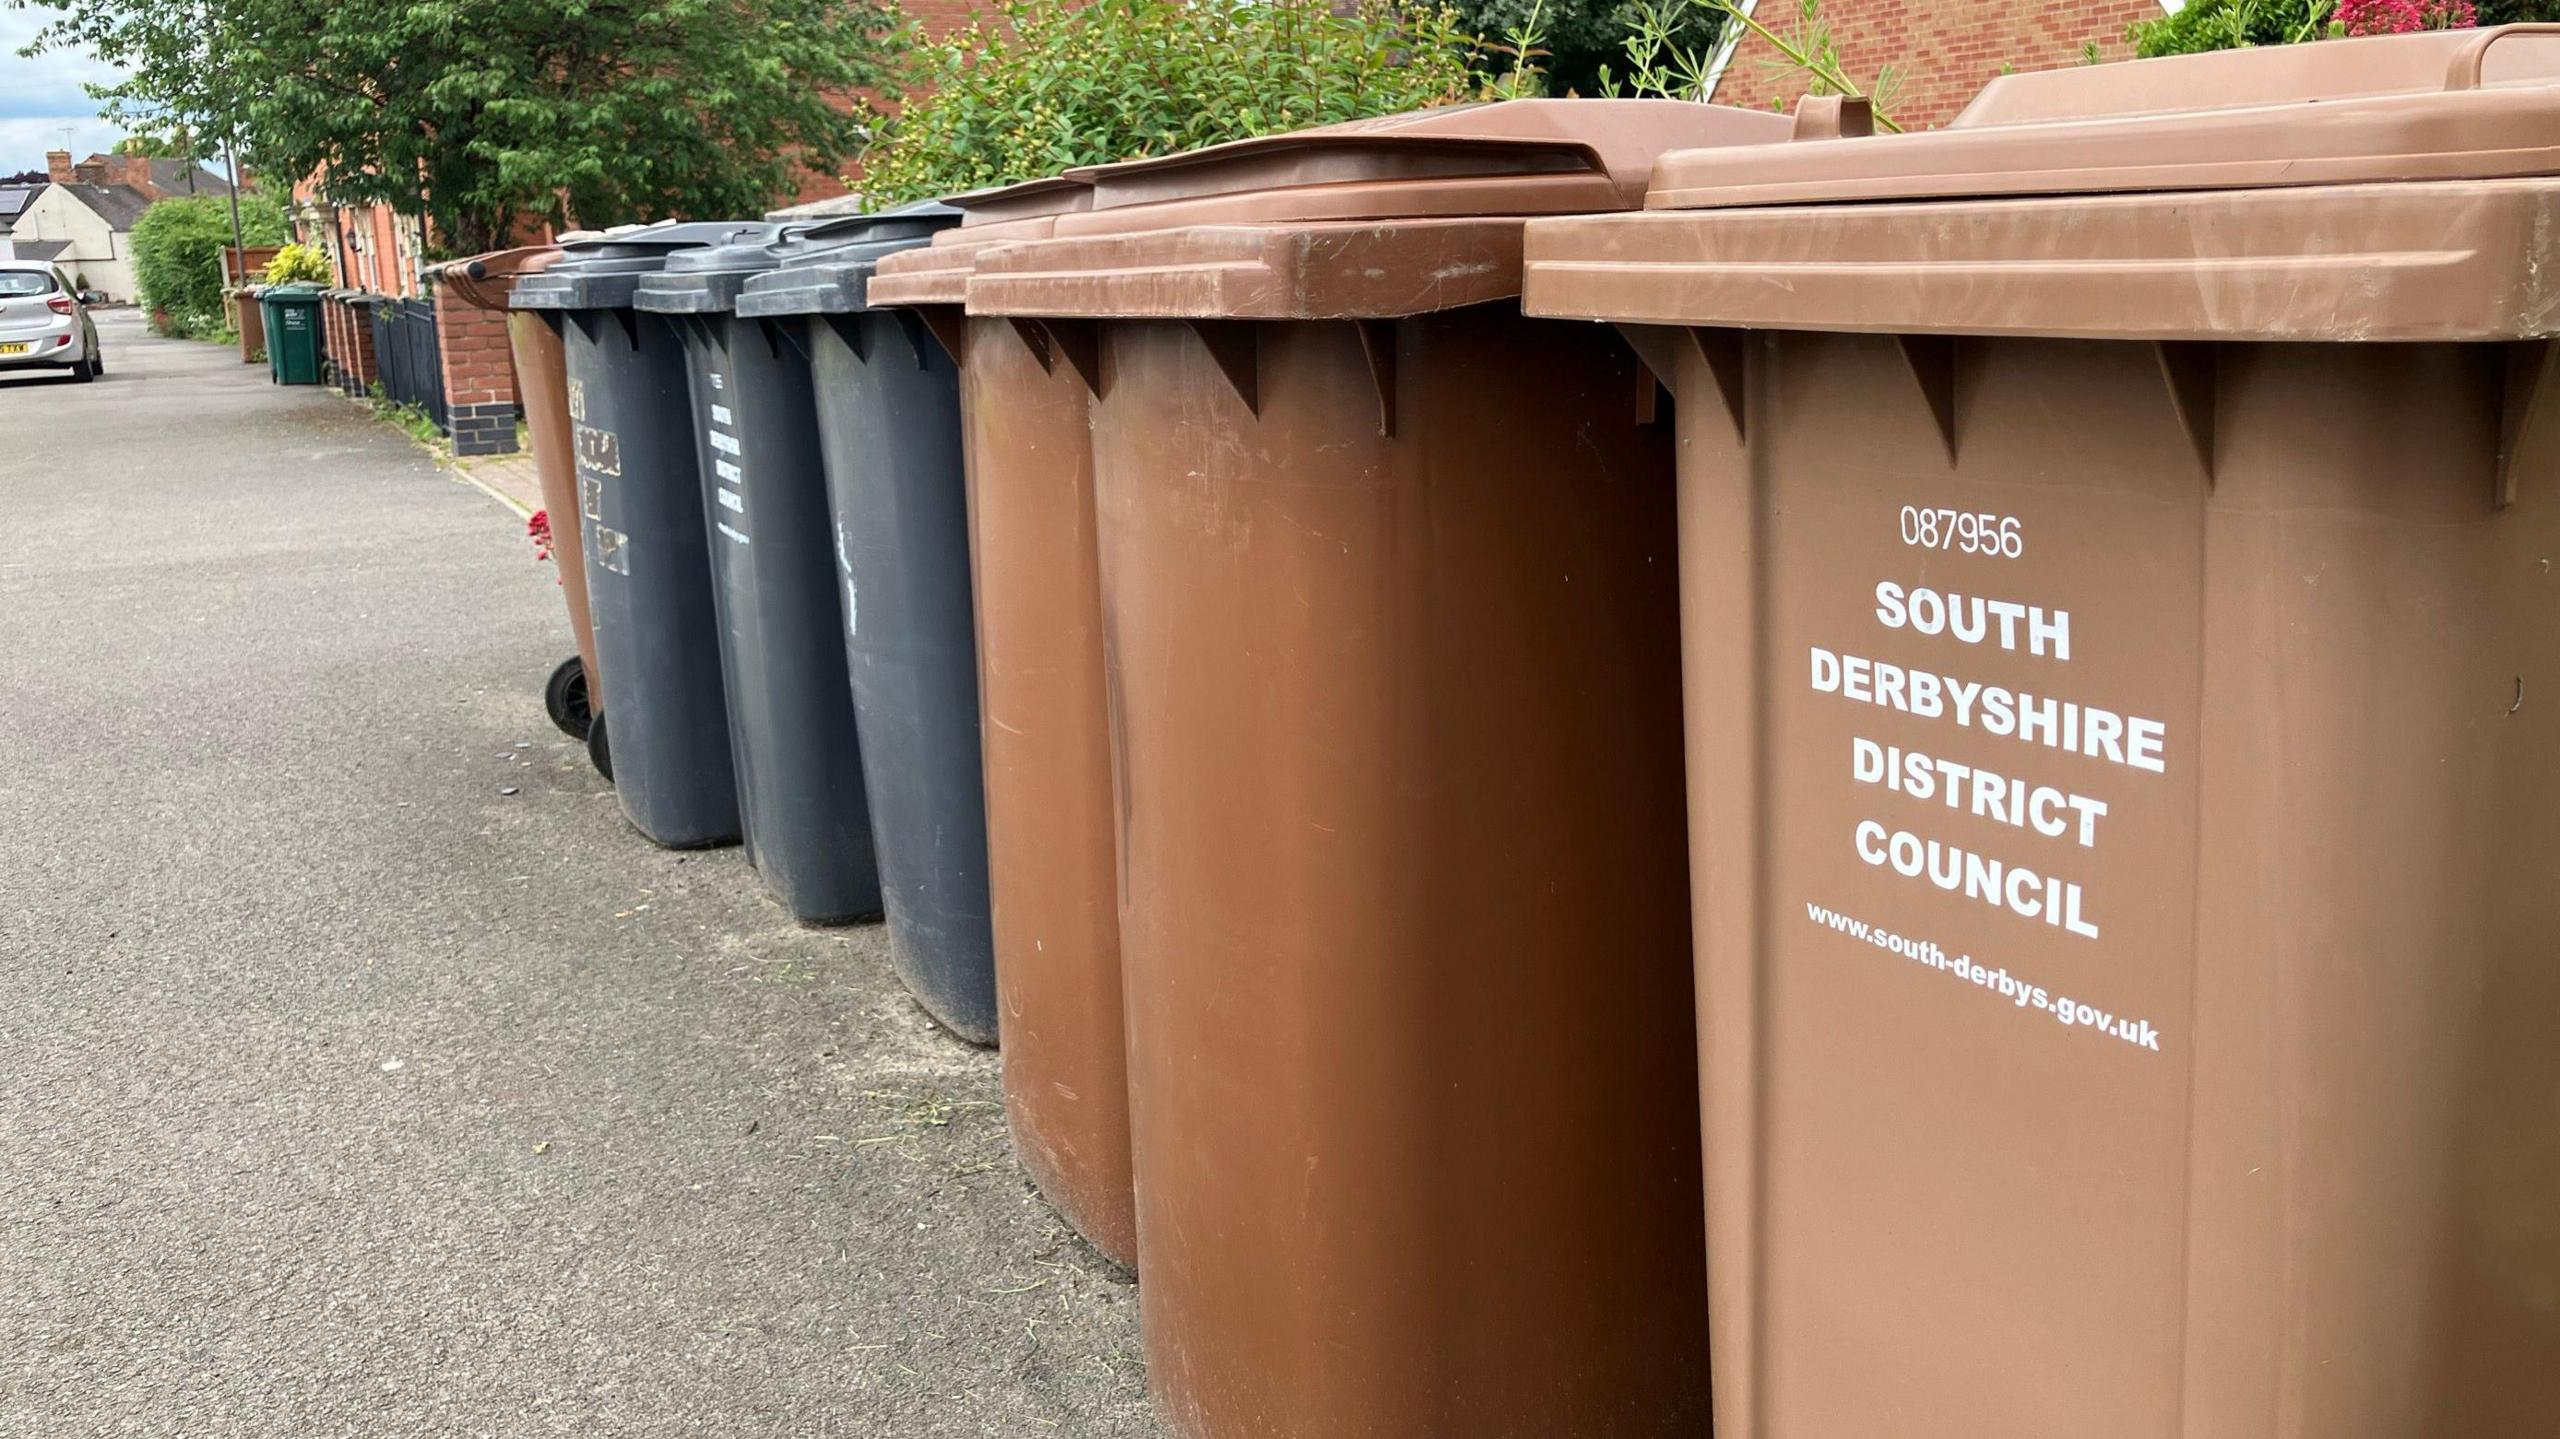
(92,171)
(134,170)
(57,166)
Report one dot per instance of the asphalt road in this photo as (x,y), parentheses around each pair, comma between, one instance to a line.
(363,1073)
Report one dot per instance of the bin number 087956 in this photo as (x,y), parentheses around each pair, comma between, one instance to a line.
(1972,534)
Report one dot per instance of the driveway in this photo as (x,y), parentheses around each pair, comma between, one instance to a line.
(363,1073)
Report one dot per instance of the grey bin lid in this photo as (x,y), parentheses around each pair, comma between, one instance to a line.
(603,272)
(826,269)
(706,280)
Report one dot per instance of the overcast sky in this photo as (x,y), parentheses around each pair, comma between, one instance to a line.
(39,98)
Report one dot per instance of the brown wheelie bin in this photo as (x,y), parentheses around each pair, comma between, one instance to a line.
(250,322)
(1391,617)
(2121,553)
(572,696)
(1053,887)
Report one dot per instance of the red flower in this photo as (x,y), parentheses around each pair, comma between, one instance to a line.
(537,528)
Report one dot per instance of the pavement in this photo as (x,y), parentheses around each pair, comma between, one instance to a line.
(363,1073)
(510,479)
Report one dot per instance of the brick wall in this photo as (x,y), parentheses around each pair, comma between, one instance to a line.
(937,17)
(479,375)
(333,341)
(1945,50)
(359,366)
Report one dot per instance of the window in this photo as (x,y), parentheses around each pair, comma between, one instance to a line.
(14,283)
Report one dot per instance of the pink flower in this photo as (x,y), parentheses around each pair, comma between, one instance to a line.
(2401,17)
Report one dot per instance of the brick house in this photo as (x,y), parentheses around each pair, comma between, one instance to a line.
(1944,50)
(372,247)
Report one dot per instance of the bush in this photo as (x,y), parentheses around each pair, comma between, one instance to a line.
(1584,38)
(1043,88)
(2400,17)
(299,262)
(177,259)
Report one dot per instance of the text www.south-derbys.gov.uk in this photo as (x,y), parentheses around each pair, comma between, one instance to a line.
(2137,1032)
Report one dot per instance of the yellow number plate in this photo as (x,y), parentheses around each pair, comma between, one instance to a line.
(16,349)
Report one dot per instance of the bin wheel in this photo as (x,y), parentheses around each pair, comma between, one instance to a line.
(599,750)
(564,695)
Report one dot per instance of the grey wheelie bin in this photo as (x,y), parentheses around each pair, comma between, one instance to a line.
(888,414)
(773,582)
(640,517)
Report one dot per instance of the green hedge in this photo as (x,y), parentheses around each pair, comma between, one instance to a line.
(1040,87)
(177,255)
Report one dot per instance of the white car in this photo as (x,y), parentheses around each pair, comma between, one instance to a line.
(43,324)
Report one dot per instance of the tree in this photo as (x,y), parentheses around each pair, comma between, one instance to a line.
(178,144)
(476,112)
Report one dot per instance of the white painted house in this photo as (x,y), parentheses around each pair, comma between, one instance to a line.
(95,225)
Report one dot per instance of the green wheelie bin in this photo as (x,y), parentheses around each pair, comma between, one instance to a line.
(292,314)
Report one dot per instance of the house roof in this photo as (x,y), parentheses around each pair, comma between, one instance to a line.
(40,249)
(14,199)
(118,205)
(186,177)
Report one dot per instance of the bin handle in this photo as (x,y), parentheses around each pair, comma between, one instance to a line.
(2464,71)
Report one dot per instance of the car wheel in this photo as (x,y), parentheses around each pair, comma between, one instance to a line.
(97,367)
(85,371)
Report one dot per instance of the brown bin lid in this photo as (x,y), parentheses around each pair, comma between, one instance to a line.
(938,274)
(2445,104)
(1510,157)
(2386,189)
(484,280)
(1288,226)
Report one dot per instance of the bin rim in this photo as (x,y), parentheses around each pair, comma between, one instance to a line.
(827,270)
(2449,262)
(938,274)
(705,280)
(1503,158)
(2397,188)
(1401,215)
(2433,105)
(482,280)
(602,272)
